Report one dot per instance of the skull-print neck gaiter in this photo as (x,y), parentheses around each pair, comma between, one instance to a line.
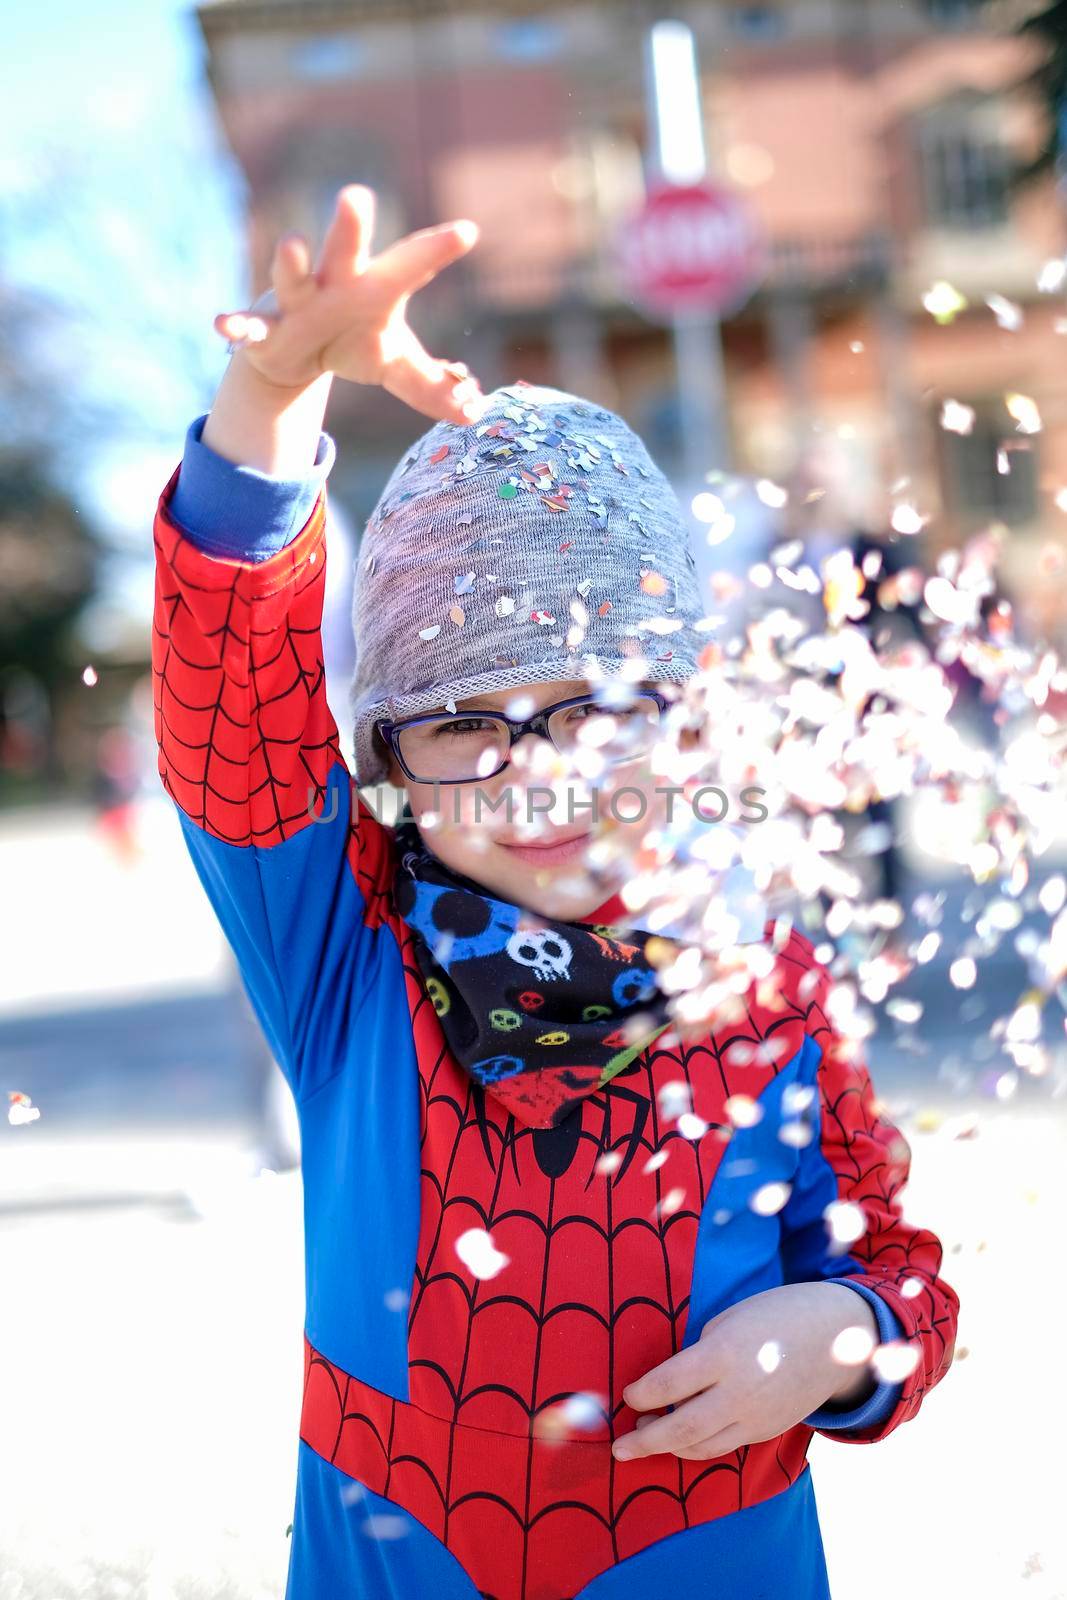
(535,1010)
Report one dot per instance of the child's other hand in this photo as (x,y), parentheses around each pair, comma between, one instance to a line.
(348,314)
(723,1393)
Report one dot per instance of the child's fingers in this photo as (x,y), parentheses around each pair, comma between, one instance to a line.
(291,271)
(346,248)
(410,263)
(241,327)
(430,386)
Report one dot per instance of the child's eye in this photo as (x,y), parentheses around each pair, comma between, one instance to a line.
(593,708)
(458,726)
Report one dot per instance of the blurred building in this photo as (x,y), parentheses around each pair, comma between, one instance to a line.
(873,140)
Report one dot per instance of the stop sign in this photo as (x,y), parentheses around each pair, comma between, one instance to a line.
(689,248)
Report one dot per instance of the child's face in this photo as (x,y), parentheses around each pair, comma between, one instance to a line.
(536,856)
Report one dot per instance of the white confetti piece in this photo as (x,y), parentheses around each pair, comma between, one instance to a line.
(674,1100)
(772,494)
(1052,894)
(895,1362)
(951,604)
(743,1111)
(1009,315)
(1025,413)
(585,1411)
(845,1221)
(1053,276)
(957,418)
(797,1135)
(479,1255)
(852,1347)
(769,1356)
(906,519)
(21,1109)
(672,1202)
(943,302)
(770,1198)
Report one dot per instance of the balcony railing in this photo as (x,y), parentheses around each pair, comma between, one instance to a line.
(813,266)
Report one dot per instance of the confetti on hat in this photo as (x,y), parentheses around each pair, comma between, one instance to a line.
(547,500)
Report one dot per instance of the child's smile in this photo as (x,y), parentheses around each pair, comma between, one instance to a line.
(552,851)
(526,852)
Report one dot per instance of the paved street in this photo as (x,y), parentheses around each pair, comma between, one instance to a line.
(152,1342)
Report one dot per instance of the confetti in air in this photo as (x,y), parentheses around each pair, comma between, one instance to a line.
(1025,413)
(479,1254)
(957,418)
(860,689)
(769,1356)
(769,1198)
(1053,276)
(895,1362)
(1009,315)
(944,303)
(852,1347)
(21,1109)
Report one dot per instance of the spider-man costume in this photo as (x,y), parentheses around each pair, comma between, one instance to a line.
(455,1432)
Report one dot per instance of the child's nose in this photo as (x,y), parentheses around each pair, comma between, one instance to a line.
(534,753)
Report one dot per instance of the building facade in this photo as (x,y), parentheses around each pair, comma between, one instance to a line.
(873,142)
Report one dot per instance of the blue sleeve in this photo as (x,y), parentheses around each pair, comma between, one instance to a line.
(296,867)
(295,917)
(877,1406)
(238,512)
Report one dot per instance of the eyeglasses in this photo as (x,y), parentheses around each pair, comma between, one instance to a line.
(468,746)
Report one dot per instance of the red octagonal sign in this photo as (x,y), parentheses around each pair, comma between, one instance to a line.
(689,248)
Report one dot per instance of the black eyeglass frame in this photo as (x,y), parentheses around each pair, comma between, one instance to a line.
(538,723)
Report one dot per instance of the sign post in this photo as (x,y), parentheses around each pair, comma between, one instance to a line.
(692,252)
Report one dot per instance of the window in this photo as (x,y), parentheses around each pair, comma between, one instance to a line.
(953,13)
(327,58)
(975,487)
(529,39)
(757,22)
(966,167)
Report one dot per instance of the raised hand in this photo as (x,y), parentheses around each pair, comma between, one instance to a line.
(348,315)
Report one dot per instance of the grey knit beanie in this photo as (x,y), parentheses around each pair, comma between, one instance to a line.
(539,545)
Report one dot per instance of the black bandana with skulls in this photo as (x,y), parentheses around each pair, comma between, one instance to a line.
(534,1010)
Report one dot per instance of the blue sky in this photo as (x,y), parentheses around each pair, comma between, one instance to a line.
(121,203)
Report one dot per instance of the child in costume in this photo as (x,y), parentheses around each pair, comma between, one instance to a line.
(568,1328)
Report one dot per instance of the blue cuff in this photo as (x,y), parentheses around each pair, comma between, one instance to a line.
(239,512)
(886,1397)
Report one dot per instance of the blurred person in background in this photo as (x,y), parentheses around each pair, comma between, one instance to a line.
(827,520)
(117,777)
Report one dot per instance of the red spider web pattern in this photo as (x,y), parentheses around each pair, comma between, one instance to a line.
(479,1455)
(872,1161)
(246,739)
(532,1504)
